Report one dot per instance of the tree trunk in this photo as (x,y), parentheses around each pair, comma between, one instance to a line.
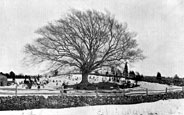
(84,79)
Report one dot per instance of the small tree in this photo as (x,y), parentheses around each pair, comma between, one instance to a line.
(176,79)
(132,74)
(12,75)
(176,76)
(141,77)
(138,77)
(125,71)
(159,77)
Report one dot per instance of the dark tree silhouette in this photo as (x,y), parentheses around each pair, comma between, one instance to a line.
(85,40)
(12,75)
(125,71)
(176,79)
(132,74)
(159,77)
(138,77)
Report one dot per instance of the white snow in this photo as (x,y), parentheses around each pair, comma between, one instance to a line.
(50,89)
(155,86)
(162,107)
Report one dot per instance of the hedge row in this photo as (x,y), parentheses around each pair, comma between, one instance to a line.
(36,102)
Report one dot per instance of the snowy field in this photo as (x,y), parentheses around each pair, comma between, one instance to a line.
(55,82)
(162,107)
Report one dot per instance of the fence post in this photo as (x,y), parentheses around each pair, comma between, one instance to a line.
(123,92)
(166,90)
(62,91)
(146,91)
(96,91)
(16,89)
(118,91)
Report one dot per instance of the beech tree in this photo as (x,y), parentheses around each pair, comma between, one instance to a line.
(86,40)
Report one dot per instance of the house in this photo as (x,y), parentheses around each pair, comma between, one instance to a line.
(3,80)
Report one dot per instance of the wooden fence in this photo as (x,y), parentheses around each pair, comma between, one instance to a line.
(97,92)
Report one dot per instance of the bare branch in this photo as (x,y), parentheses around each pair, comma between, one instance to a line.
(85,40)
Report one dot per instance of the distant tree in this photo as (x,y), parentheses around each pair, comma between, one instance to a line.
(159,77)
(125,71)
(132,74)
(20,76)
(176,76)
(176,79)
(87,41)
(138,77)
(26,77)
(12,75)
(141,77)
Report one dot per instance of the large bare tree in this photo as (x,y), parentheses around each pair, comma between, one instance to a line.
(85,40)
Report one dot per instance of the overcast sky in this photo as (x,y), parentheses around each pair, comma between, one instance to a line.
(159,24)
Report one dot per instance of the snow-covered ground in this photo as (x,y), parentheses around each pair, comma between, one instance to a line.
(152,88)
(54,82)
(155,86)
(162,107)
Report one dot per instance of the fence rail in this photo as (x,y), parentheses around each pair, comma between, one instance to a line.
(97,92)
(129,91)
